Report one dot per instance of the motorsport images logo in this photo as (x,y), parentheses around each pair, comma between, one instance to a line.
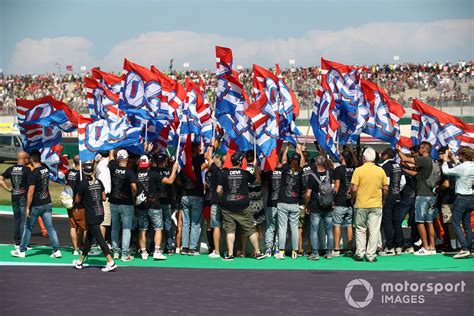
(404,292)
(358,283)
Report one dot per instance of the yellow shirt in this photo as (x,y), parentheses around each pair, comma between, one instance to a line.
(370,178)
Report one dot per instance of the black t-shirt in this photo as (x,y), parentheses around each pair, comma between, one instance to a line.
(164,193)
(273,179)
(409,191)
(90,192)
(343,174)
(394,172)
(151,181)
(39,177)
(190,187)
(313,185)
(448,195)
(235,185)
(215,177)
(121,193)
(291,185)
(73,178)
(18,176)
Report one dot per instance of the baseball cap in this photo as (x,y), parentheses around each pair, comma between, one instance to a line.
(88,167)
(144,162)
(161,157)
(237,157)
(122,154)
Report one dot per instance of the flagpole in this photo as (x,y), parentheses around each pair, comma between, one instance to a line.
(254,147)
(80,167)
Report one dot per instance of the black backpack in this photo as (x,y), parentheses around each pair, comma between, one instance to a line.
(325,197)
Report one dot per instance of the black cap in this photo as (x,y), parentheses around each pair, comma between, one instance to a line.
(161,157)
(237,158)
(88,168)
(295,156)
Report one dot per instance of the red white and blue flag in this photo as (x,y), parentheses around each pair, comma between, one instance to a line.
(231,101)
(102,102)
(101,135)
(289,110)
(57,163)
(439,128)
(108,80)
(264,111)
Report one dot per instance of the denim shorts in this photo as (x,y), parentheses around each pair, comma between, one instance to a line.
(155,216)
(342,216)
(425,209)
(216,216)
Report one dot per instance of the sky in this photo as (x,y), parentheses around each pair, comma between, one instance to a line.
(36,35)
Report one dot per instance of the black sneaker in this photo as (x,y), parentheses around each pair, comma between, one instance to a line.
(358,258)
(372,260)
(260,256)
(193,253)
(170,252)
(227,257)
(184,251)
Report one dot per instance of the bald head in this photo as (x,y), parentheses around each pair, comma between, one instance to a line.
(22,158)
(76,161)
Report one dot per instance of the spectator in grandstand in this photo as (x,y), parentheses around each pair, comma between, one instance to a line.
(234,192)
(91,194)
(370,186)
(76,214)
(343,209)
(425,200)
(464,202)
(392,226)
(38,204)
(122,198)
(18,176)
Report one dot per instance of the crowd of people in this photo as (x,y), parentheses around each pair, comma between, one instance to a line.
(142,206)
(445,79)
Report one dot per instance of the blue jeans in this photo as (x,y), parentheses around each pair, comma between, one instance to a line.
(462,208)
(45,212)
(19,207)
(155,216)
(425,209)
(192,214)
(121,214)
(271,214)
(216,216)
(407,206)
(288,213)
(168,225)
(315,220)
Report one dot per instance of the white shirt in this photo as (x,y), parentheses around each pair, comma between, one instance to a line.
(464,174)
(102,173)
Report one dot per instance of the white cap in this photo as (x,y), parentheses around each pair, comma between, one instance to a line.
(122,154)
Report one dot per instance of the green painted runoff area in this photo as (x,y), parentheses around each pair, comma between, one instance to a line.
(406,262)
(56,210)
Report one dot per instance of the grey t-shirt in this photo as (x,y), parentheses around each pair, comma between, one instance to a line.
(425,166)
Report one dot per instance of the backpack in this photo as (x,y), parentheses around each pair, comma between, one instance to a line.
(143,201)
(325,192)
(435,175)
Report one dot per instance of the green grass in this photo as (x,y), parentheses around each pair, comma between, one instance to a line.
(54,188)
(406,262)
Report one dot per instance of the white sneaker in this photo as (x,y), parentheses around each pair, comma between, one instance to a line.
(158,255)
(410,250)
(214,255)
(109,267)
(18,253)
(462,254)
(432,252)
(418,243)
(280,255)
(387,252)
(144,255)
(76,253)
(422,252)
(127,259)
(336,253)
(77,264)
(56,254)
(178,251)
(116,256)
(398,251)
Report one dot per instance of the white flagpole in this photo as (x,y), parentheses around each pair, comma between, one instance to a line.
(80,167)
(254,147)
